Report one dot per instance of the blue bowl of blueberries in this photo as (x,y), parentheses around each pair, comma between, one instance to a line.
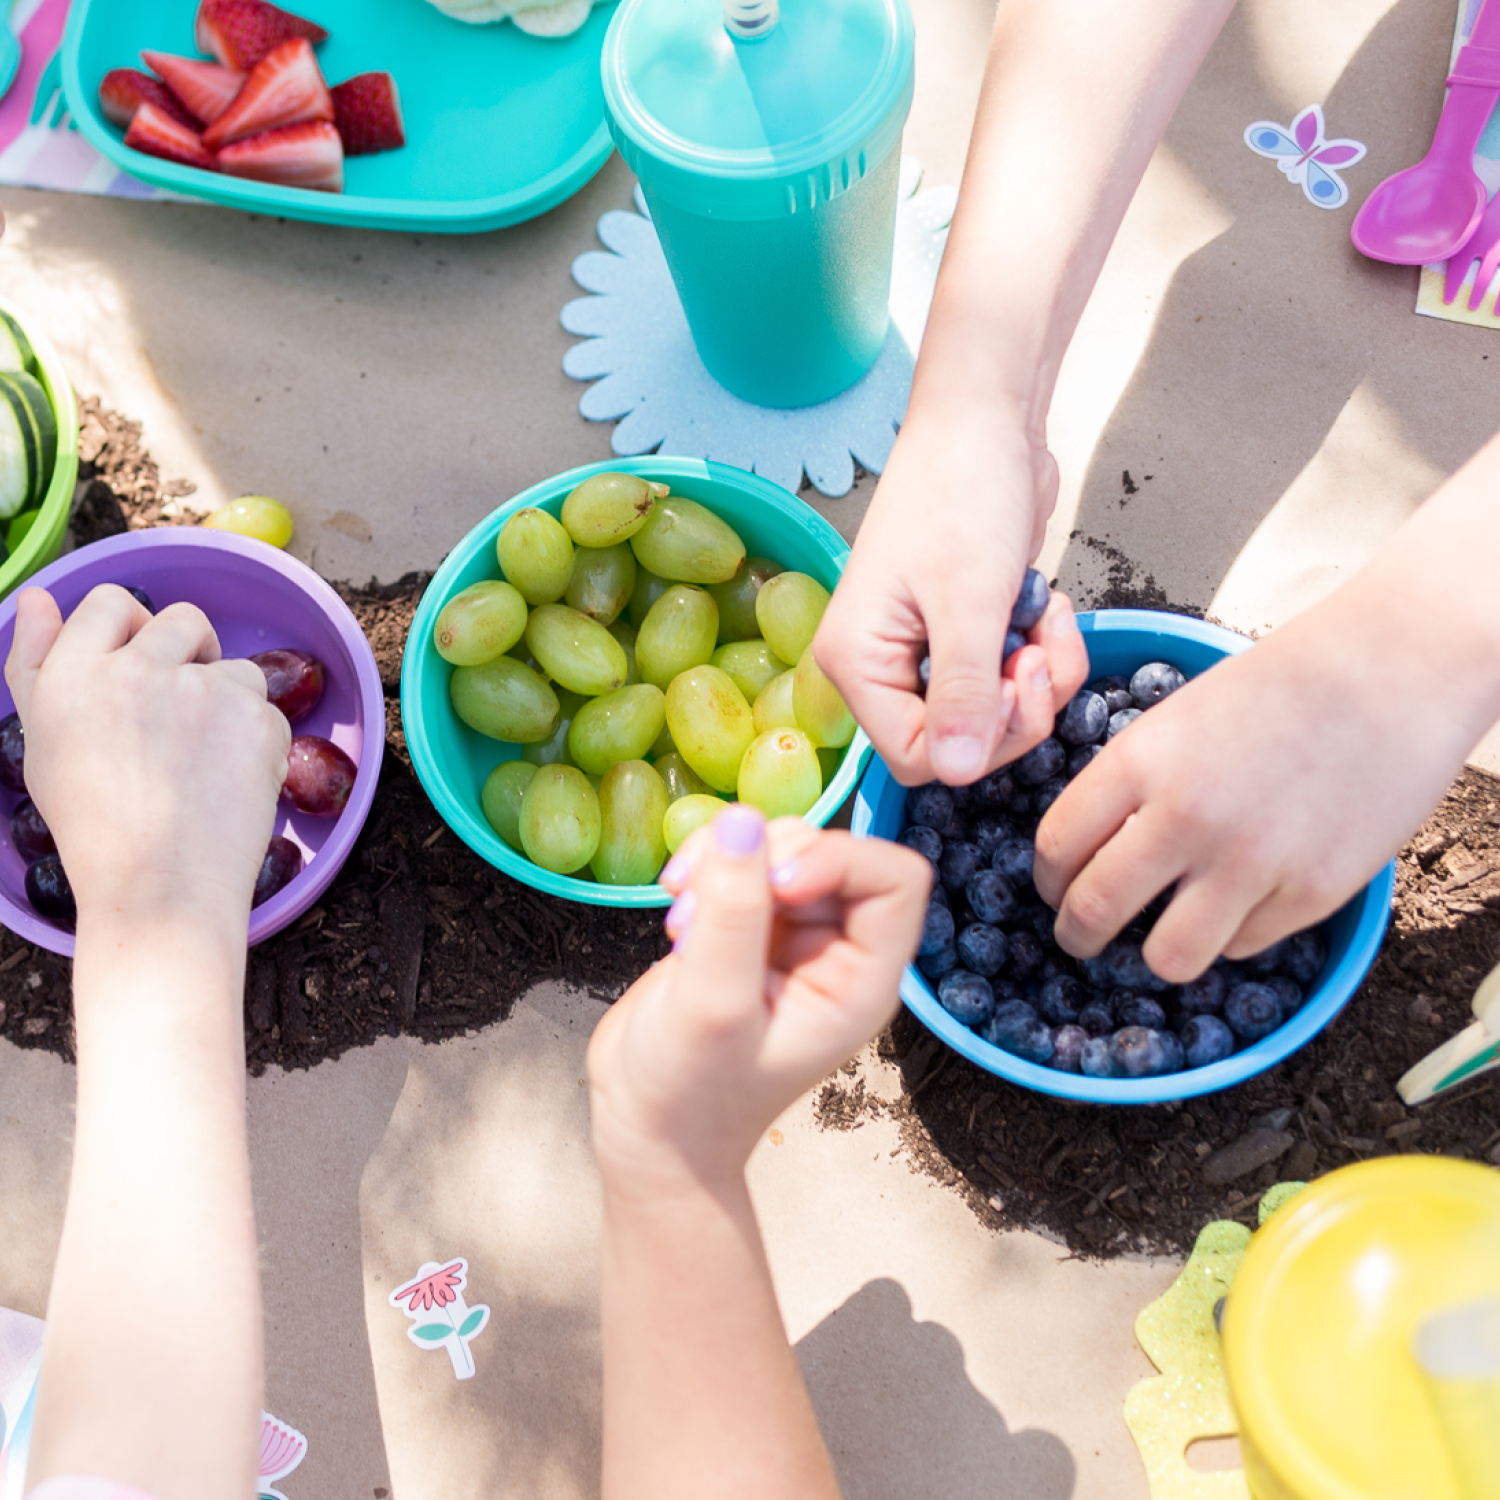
(990,981)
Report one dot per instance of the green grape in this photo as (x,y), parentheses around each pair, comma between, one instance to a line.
(678,632)
(736,599)
(687,543)
(830,760)
(500,798)
(479,623)
(602,581)
(711,723)
(686,816)
(773,706)
(632,805)
(505,700)
(576,651)
(662,745)
(609,508)
(619,726)
(536,555)
(680,779)
(780,774)
(648,589)
(752,664)
(788,609)
(560,819)
(819,708)
(552,751)
(624,632)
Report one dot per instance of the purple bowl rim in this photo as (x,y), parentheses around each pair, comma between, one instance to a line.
(287,905)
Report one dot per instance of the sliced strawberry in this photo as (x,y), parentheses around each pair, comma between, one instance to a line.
(205,89)
(156,133)
(240,32)
(124,90)
(368,114)
(284,88)
(307,155)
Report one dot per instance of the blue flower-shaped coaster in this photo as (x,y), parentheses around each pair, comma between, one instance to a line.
(649,379)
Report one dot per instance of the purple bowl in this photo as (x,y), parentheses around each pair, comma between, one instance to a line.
(256,598)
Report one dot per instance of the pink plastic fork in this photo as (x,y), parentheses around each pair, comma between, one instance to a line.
(1484,246)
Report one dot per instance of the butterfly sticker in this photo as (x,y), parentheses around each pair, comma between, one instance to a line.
(1306,157)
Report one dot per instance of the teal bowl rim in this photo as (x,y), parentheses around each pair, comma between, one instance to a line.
(43,541)
(435,216)
(418,659)
(1333,993)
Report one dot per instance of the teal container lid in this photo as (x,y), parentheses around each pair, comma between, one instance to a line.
(761,128)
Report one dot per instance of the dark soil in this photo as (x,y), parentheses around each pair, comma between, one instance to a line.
(419,935)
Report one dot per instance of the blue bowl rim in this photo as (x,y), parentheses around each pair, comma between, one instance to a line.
(485,843)
(1374,908)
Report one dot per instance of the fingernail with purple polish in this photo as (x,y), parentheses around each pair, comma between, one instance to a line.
(676,870)
(785,874)
(680,915)
(739,830)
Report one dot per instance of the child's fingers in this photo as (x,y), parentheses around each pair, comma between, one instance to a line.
(178,635)
(244,673)
(1067,656)
(104,621)
(38,624)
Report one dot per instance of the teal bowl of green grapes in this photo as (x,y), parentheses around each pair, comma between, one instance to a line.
(611,657)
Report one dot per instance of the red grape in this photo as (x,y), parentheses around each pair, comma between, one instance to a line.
(319,777)
(48,891)
(29,832)
(294,681)
(281,866)
(12,753)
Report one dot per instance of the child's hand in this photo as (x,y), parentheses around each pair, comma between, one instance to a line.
(156,764)
(959,512)
(790,944)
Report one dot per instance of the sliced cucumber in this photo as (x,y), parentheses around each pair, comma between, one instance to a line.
(19,451)
(44,422)
(16,352)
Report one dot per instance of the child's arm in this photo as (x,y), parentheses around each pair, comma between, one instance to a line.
(789,951)
(1076,95)
(1270,789)
(157,767)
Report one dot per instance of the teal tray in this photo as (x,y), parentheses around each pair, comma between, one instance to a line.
(500,126)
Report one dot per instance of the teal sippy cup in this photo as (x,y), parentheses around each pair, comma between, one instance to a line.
(768,147)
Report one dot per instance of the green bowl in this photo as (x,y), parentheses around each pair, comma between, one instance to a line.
(452,760)
(35,536)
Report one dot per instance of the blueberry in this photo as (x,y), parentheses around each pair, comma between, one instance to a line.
(1094,1060)
(964,800)
(1020,806)
(959,863)
(1097,1018)
(1013,859)
(1031,602)
(1138,1010)
(992,898)
(12,753)
(48,891)
(1204,995)
(1017,1028)
(966,997)
(1048,793)
(1252,1011)
(1153,682)
(1084,720)
(1068,1043)
(939,893)
(1287,991)
(1014,641)
(1115,691)
(1205,1040)
(1305,955)
(1042,920)
(1129,969)
(1141,1052)
(989,832)
(1060,999)
(937,930)
(996,789)
(1080,760)
(983,948)
(924,676)
(935,965)
(1121,720)
(1025,953)
(930,805)
(1041,763)
(1267,961)
(926,841)
(140,596)
(1096,971)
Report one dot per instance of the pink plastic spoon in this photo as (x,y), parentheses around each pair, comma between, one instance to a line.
(1428,211)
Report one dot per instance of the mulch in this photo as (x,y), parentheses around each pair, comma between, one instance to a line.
(417,935)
